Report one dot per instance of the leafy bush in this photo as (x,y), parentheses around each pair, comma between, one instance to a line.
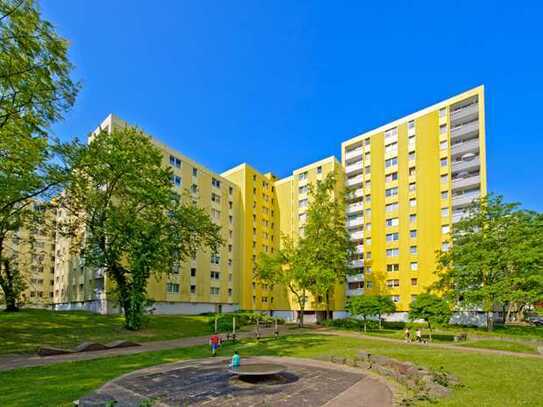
(225,321)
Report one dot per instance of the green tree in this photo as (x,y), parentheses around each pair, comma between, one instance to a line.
(35,91)
(135,225)
(286,268)
(326,244)
(430,308)
(385,305)
(496,258)
(366,306)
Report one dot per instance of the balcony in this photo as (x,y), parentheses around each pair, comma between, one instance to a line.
(356,263)
(468,164)
(464,199)
(357,235)
(465,113)
(355,208)
(471,146)
(463,183)
(358,221)
(359,249)
(458,216)
(358,193)
(355,278)
(357,152)
(467,129)
(354,168)
(353,292)
(353,181)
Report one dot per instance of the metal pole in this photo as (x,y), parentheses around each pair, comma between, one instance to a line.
(216,323)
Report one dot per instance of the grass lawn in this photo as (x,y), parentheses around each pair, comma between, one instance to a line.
(25,330)
(510,346)
(488,380)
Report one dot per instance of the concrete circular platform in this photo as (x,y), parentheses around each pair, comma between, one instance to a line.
(303,382)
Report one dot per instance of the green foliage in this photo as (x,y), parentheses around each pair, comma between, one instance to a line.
(325,245)
(430,308)
(35,91)
(366,306)
(496,258)
(225,321)
(136,225)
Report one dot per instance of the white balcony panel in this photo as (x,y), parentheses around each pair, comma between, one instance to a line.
(355,208)
(457,217)
(354,168)
(359,249)
(463,183)
(466,113)
(357,235)
(355,278)
(357,152)
(355,222)
(471,146)
(465,129)
(464,200)
(357,263)
(353,292)
(353,181)
(466,165)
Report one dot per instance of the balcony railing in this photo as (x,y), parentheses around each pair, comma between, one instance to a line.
(357,263)
(355,278)
(351,182)
(355,167)
(355,222)
(355,207)
(357,152)
(462,183)
(466,165)
(464,199)
(470,146)
(353,292)
(465,112)
(465,129)
(357,235)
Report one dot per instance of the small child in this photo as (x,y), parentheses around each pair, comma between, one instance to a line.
(214,341)
(407,335)
(235,360)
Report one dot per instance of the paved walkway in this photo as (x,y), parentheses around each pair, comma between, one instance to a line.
(206,382)
(20,361)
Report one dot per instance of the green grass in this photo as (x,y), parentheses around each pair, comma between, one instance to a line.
(488,380)
(510,346)
(25,330)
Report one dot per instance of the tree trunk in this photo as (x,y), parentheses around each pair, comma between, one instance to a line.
(327,305)
(380,324)
(8,285)
(490,321)
(430,329)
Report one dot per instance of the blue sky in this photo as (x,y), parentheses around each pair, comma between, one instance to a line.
(279,84)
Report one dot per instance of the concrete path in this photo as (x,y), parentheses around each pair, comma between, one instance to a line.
(20,361)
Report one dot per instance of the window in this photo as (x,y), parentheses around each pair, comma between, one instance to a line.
(412,234)
(193,272)
(443,129)
(413,249)
(367,141)
(195,172)
(391,177)
(302,203)
(392,207)
(369,284)
(303,189)
(444,178)
(264,299)
(443,162)
(175,162)
(395,298)
(391,192)
(229,292)
(368,255)
(393,283)
(443,112)
(391,135)
(392,237)
(176,180)
(444,212)
(411,124)
(412,186)
(393,252)
(302,176)
(411,156)
(413,203)
(368,212)
(445,229)
(319,170)
(412,218)
(445,246)
(414,266)
(214,290)
(367,170)
(443,145)
(172,288)
(215,259)
(392,222)
(368,184)
(412,171)
(391,148)
(444,194)
(368,227)
(230,190)
(215,182)
(391,162)
(393,267)
(302,217)
(414,281)
(215,275)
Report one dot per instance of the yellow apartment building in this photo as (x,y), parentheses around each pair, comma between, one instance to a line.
(32,251)
(409,182)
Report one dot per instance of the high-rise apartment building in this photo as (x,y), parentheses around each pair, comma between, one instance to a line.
(407,183)
(410,181)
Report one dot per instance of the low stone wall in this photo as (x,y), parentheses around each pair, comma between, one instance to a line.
(423,383)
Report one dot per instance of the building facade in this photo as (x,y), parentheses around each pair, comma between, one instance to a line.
(407,183)
(410,181)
